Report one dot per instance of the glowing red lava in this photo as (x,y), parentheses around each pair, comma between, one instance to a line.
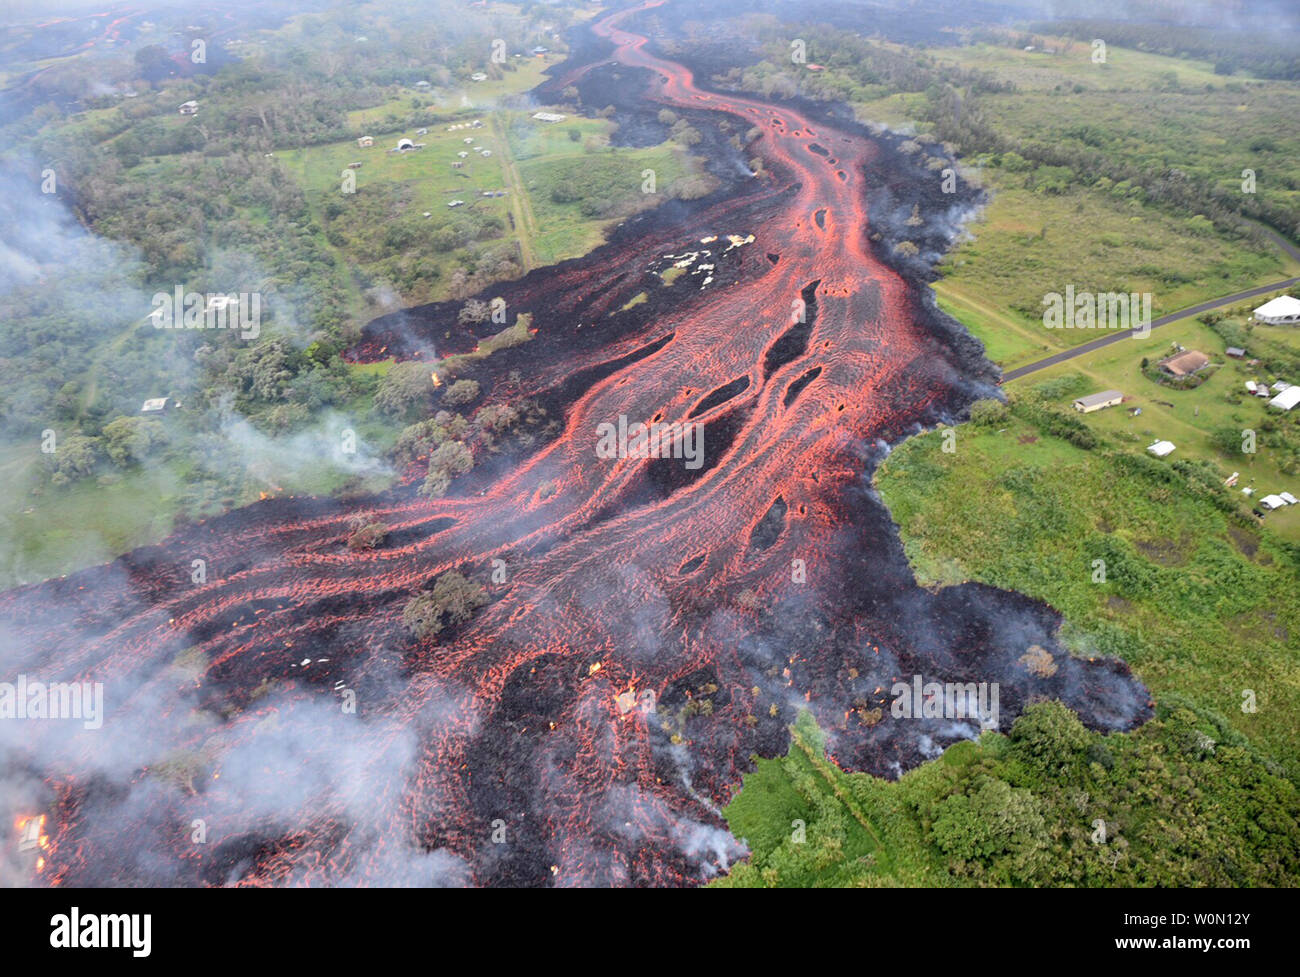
(561,737)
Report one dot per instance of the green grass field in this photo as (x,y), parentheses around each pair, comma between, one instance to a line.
(1071,64)
(80,525)
(1027,244)
(1199,603)
(1188,418)
(565,228)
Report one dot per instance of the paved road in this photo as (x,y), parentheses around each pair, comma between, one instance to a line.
(1115,337)
(1282,242)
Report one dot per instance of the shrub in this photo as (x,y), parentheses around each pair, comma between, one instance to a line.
(449,459)
(366,533)
(453,600)
(989,412)
(461,392)
(405,385)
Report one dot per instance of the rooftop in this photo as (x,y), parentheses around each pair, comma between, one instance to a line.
(1283,305)
(1186,363)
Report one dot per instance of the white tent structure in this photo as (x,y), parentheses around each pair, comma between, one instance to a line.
(1281,311)
(1287,399)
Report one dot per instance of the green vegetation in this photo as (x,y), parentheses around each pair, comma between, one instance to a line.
(452,601)
(1158,128)
(1028,243)
(576,196)
(1185,801)
(260,192)
(1123,176)
(1199,600)
(1230,51)
(1208,422)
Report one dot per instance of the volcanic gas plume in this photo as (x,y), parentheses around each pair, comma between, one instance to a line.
(518,749)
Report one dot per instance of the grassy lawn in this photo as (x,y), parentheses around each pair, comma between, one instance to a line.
(428,171)
(1009,339)
(532,139)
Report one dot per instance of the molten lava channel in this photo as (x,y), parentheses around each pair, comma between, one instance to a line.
(517,751)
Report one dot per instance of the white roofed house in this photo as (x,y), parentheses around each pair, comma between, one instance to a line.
(1092,402)
(156,405)
(189,108)
(1161,448)
(1281,311)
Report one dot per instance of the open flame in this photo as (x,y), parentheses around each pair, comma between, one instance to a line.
(33,837)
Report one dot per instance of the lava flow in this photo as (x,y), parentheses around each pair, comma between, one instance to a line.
(651,625)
